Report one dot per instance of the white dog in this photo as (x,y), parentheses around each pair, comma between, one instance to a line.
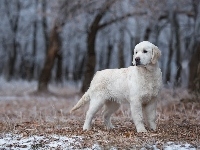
(139,85)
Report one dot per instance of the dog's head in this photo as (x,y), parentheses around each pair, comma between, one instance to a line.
(145,53)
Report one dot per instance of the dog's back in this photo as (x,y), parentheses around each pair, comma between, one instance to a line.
(111,84)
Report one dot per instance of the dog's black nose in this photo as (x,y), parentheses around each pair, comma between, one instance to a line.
(137,59)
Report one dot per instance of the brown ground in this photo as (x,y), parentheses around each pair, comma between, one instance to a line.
(178,121)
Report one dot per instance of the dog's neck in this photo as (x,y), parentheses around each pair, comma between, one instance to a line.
(152,67)
(149,67)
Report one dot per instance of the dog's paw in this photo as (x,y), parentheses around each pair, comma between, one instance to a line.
(152,126)
(86,128)
(110,127)
(142,129)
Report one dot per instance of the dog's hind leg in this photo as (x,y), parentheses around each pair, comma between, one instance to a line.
(109,108)
(95,105)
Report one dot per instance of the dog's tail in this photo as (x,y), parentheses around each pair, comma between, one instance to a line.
(84,99)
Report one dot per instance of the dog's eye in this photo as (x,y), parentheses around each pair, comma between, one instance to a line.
(136,52)
(144,51)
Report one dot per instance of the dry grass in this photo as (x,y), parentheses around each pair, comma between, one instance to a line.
(178,121)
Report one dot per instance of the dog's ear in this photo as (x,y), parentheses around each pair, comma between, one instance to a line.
(156,53)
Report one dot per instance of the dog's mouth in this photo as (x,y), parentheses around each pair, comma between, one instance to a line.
(138,64)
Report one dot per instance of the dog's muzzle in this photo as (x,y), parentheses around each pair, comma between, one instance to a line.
(137,61)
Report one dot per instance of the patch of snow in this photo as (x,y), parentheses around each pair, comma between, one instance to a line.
(155,148)
(96,147)
(17,142)
(173,146)
(170,146)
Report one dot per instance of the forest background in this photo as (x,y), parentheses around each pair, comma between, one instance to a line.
(67,40)
(50,50)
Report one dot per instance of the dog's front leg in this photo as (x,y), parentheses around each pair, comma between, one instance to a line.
(150,112)
(137,115)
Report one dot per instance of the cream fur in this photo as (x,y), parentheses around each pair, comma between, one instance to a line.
(139,85)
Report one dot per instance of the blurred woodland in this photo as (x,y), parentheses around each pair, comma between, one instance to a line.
(69,40)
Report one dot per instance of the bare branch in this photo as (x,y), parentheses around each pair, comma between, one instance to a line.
(188,13)
(122,18)
(13,20)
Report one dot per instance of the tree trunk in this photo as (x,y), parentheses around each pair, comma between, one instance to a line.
(49,61)
(95,26)
(194,64)
(121,50)
(101,59)
(81,67)
(76,63)
(91,55)
(13,21)
(12,59)
(59,66)
(44,25)
(147,34)
(132,45)
(194,70)
(170,53)
(171,49)
(109,48)
(34,46)
(178,52)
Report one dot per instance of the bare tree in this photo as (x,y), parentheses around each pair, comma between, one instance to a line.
(91,56)
(194,78)
(54,48)
(147,33)
(59,66)
(121,50)
(172,25)
(13,19)
(54,45)
(109,51)
(171,46)
(91,37)
(194,47)
(95,26)
(44,25)
(34,44)
(177,47)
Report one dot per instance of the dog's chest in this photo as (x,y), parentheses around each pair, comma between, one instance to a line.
(151,85)
(145,86)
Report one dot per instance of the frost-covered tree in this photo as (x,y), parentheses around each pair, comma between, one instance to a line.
(70,40)
(12,11)
(102,13)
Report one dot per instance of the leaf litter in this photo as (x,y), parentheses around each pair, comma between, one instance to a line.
(29,121)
